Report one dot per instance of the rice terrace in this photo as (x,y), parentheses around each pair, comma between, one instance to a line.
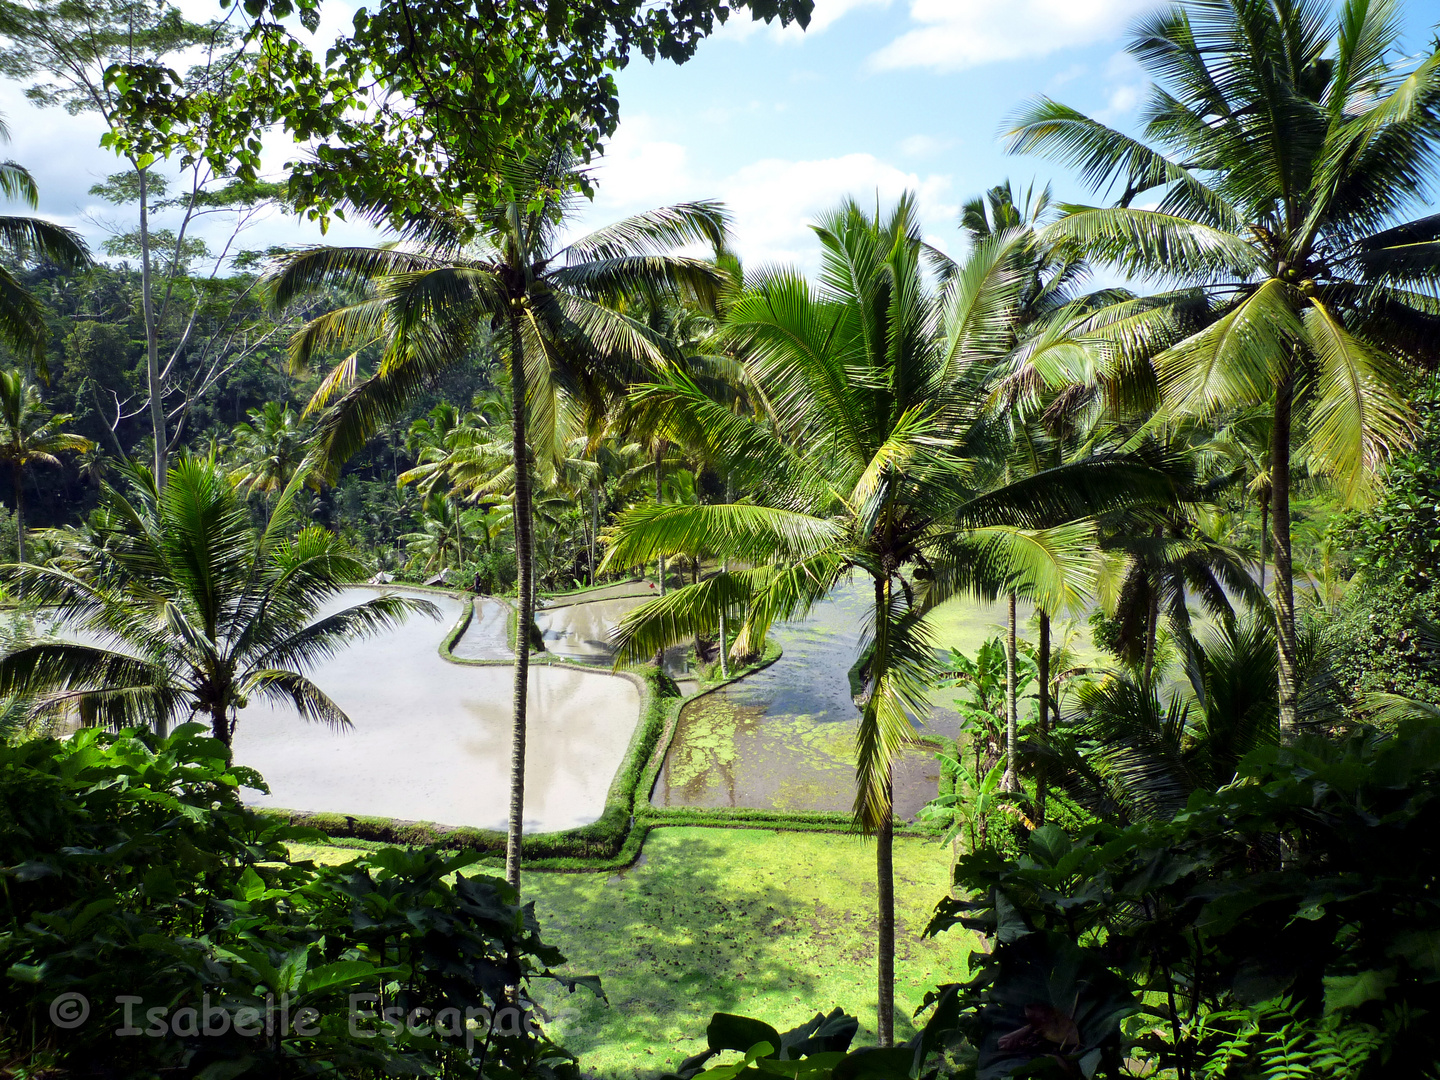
(697,540)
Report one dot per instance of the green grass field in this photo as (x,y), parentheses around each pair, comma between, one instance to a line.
(775,925)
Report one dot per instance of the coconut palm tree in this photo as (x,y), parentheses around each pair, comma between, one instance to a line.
(1283,146)
(437,297)
(270,449)
(869,462)
(29,435)
(189,611)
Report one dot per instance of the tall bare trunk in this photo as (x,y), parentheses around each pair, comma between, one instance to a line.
(885,945)
(1011,780)
(1280,540)
(724,569)
(884,835)
(524,558)
(659,501)
(1264,535)
(1041,775)
(594,528)
(1152,631)
(19,477)
(724,645)
(152,336)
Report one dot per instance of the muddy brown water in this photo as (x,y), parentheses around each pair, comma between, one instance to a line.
(784,737)
(431,740)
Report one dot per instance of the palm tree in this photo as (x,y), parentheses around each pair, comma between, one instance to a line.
(191,610)
(270,449)
(29,435)
(435,300)
(869,462)
(1284,148)
(1049,276)
(22,322)
(1128,755)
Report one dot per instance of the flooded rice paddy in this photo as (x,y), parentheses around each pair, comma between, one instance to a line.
(430,740)
(784,737)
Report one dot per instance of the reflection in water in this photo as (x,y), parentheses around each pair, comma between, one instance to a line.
(784,737)
(487,637)
(579,632)
(431,739)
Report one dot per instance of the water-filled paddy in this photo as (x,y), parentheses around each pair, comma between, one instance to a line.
(784,737)
(431,739)
(488,635)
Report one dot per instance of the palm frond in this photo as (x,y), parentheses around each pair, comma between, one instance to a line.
(732,530)
(1359,418)
(1155,245)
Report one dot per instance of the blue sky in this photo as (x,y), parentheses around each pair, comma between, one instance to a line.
(877,97)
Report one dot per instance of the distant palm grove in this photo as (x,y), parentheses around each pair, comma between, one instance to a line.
(1176,448)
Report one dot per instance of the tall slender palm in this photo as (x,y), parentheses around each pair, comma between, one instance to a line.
(191,609)
(29,435)
(1048,282)
(870,461)
(500,268)
(1286,142)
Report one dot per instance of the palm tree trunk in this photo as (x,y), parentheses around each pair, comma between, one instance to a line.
(1152,630)
(219,725)
(659,501)
(525,567)
(1043,658)
(1011,780)
(1264,534)
(884,837)
(724,646)
(19,476)
(152,335)
(1280,537)
(594,528)
(724,569)
(885,944)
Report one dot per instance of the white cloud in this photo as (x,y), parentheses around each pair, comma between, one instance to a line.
(772,201)
(956,34)
(826,12)
(924,145)
(1126,85)
(775,201)
(641,170)
(1070,74)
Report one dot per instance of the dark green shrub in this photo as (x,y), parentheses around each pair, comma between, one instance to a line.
(155,925)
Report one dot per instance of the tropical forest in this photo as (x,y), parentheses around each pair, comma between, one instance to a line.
(497,586)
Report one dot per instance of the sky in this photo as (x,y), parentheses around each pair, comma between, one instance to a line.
(876,98)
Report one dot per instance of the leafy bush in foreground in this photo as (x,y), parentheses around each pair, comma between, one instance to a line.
(153,923)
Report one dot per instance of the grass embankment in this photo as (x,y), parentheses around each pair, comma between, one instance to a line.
(770,924)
